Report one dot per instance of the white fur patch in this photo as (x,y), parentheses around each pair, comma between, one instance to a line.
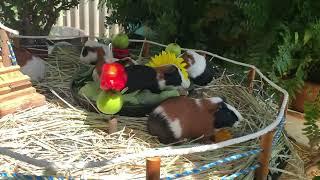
(95,75)
(162,84)
(93,57)
(91,43)
(185,82)
(237,113)
(199,65)
(35,68)
(198,102)
(89,58)
(159,110)
(176,128)
(215,100)
(173,124)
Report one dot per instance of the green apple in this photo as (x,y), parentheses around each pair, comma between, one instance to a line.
(109,102)
(174,48)
(120,41)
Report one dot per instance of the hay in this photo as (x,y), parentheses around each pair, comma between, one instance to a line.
(65,133)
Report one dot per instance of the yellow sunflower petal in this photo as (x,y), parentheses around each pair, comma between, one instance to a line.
(165,58)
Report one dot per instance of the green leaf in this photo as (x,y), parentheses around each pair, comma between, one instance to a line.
(296,37)
(307,36)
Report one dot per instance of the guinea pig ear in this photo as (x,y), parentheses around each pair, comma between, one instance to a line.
(188,58)
(202,54)
(221,106)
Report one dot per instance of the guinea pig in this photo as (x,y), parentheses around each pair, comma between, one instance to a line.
(30,65)
(184,117)
(199,71)
(155,79)
(101,59)
(89,53)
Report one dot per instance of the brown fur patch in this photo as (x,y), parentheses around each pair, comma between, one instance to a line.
(195,120)
(22,55)
(101,60)
(161,70)
(188,58)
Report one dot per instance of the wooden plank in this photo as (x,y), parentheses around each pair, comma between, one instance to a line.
(5,49)
(20,85)
(4,83)
(5,90)
(12,95)
(153,168)
(9,69)
(21,103)
(264,157)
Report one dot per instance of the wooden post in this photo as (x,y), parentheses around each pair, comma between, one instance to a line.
(251,77)
(16,91)
(5,49)
(264,157)
(146,49)
(16,42)
(113,125)
(153,168)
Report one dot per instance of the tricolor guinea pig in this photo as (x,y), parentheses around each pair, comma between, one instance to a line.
(89,53)
(155,79)
(93,51)
(197,67)
(31,65)
(184,117)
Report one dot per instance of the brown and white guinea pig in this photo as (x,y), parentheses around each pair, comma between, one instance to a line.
(155,79)
(31,65)
(197,67)
(184,117)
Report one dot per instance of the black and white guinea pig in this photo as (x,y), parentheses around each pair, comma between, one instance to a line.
(184,117)
(197,67)
(155,79)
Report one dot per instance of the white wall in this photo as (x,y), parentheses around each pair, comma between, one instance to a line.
(89,18)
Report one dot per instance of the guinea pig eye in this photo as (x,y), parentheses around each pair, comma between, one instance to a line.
(84,52)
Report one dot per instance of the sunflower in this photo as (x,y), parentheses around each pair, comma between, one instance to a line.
(166,58)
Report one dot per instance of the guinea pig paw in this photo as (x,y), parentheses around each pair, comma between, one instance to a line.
(208,141)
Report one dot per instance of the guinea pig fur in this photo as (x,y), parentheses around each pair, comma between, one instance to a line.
(184,117)
(89,52)
(155,79)
(101,61)
(31,65)
(197,67)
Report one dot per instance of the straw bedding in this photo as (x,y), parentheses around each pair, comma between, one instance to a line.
(65,133)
